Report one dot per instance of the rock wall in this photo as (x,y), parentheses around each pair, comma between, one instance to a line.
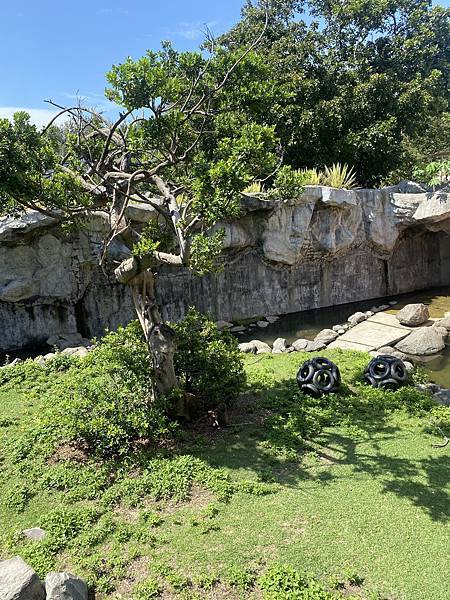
(327,247)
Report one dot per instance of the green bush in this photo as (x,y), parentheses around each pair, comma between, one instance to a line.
(208,361)
(281,582)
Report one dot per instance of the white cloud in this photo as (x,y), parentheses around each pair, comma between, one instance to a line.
(38,116)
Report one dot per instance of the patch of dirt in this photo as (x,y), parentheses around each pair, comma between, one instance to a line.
(76,452)
(137,572)
(199,497)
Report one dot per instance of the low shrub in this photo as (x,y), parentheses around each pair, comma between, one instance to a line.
(282,582)
(208,361)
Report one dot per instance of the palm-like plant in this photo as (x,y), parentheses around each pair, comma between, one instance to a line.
(339,176)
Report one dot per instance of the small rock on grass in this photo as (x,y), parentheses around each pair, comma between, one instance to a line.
(280,345)
(34,533)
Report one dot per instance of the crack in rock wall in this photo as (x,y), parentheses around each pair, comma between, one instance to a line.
(328,247)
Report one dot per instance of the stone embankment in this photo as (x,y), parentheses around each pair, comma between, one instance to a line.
(18,581)
(327,247)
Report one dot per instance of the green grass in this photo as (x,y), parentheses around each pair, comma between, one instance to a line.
(345,490)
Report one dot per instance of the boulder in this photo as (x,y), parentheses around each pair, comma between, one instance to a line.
(443,397)
(326,336)
(280,345)
(413,314)
(255,347)
(40,360)
(423,341)
(68,340)
(18,581)
(300,344)
(441,330)
(411,187)
(64,586)
(262,323)
(223,325)
(80,351)
(247,348)
(314,346)
(35,533)
(237,329)
(408,366)
(445,322)
(272,319)
(391,352)
(357,317)
(261,347)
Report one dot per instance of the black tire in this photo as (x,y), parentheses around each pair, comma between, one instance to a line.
(311,390)
(379,373)
(305,373)
(373,382)
(398,371)
(389,384)
(329,383)
(320,362)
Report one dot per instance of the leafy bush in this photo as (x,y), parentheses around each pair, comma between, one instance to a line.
(288,184)
(286,583)
(208,361)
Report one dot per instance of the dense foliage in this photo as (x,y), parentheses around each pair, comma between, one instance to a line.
(208,361)
(364,83)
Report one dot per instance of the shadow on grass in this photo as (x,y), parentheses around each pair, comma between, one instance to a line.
(276,448)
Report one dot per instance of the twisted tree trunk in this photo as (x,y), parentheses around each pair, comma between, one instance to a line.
(159,336)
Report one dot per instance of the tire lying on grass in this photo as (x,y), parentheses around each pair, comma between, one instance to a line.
(386,372)
(318,376)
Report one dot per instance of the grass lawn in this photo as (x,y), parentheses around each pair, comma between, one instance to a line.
(361,506)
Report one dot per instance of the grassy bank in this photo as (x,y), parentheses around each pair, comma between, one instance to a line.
(297,498)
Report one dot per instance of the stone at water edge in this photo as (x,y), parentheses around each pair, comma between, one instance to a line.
(223,325)
(383,307)
(255,347)
(280,345)
(237,329)
(262,323)
(445,322)
(315,346)
(18,581)
(422,342)
(357,317)
(272,319)
(300,344)
(64,586)
(80,351)
(390,350)
(413,315)
(326,336)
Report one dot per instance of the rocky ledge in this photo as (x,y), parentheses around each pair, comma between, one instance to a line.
(327,247)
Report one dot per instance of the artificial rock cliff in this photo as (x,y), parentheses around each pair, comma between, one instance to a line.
(328,247)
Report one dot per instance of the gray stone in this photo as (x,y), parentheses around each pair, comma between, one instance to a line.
(341,331)
(49,356)
(280,345)
(67,340)
(441,330)
(423,341)
(18,581)
(443,396)
(445,322)
(326,336)
(224,325)
(261,347)
(413,315)
(238,329)
(392,352)
(383,307)
(262,324)
(40,360)
(356,318)
(300,344)
(431,388)
(411,187)
(369,313)
(79,352)
(314,346)
(65,586)
(247,348)
(409,366)
(393,302)
(35,533)
(272,319)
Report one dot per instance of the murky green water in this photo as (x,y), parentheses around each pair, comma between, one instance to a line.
(308,323)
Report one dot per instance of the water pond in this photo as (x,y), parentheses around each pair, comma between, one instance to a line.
(307,324)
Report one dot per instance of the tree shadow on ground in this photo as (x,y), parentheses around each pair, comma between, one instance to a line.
(266,443)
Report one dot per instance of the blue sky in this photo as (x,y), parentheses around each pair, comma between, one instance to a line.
(59,49)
